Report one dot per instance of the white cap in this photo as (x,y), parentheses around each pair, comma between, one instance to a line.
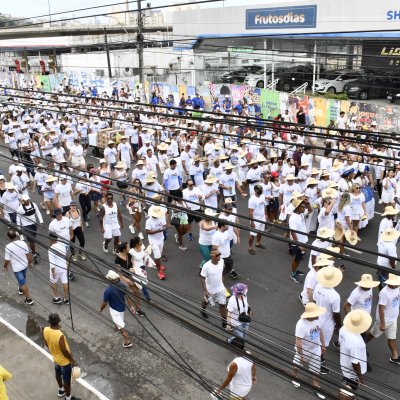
(25,197)
(112,275)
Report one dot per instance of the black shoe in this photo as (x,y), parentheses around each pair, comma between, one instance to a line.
(29,302)
(204,314)
(234,274)
(395,360)
(324,371)
(35,259)
(61,392)
(140,312)
(71,276)
(67,302)
(301,273)
(336,345)
(323,361)
(295,279)
(20,292)
(301,298)
(56,300)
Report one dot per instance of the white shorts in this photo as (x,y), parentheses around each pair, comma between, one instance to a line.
(61,274)
(158,248)
(259,226)
(110,232)
(313,361)
(328,333)
(388,197)
(76,161)
(219,298)
(390,331)
(118,318)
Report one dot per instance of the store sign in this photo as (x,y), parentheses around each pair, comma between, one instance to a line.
(247,49)
(282,17)
(378,56)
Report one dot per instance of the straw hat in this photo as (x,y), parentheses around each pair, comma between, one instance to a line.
(196,158)
(273,154)
(243,153)
(252,162)
(330,192)
(140,162)
(228,166)
(290,177)
(234,147)
(357,321)
(156,212)
(311,310)
(393,280)
(315,171)
(337,165)
(351,237)
(388,235)
(112,275)
(120,164)
(223,157)
(333,249)
(311,181)
(211,179)
(296,195)
(9,186)
(162,146)
(305,164)
(149,178)
(217,146)
(367,281)
(210,212)
(325,232)
(324,172)
(296,202)
(260,158)
(333,185)
(110,142)
(323,262)
(389,210)
(50,178)
(329,277)
(339,231)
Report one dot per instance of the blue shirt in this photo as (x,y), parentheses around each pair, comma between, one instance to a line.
(115,296)
(201,103)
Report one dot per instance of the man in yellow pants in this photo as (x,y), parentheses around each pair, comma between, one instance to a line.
(4,376)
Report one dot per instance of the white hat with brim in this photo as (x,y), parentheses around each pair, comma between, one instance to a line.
(311,310)
(296,202)
(156,212)
(324,172)
(112,275)
(330,192)
(357,321)
(393,280)
(339,231)
(329,277)
(351,237)
(211,179)
(25,197)
(323,262)
(390,234)
(51,178)
(210,212)
(228,166)
(337,165)
(290,177)
(243,153)
(9,186)
(162,146)
(150,179)
(140,162)
(367,281)
(296,195)
(389,210)
(312,181)
(325,232)
(120,164)
(252,162)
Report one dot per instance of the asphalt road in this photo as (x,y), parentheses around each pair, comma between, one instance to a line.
(136,373)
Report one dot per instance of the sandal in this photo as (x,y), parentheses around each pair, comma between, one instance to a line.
(126,345)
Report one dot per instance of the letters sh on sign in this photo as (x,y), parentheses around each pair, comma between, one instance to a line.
(282,17)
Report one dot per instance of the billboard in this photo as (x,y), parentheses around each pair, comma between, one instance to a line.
(282,17)
(383,55)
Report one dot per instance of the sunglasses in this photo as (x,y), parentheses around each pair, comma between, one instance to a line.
(217,255)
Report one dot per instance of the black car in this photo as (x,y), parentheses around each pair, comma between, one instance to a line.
(371,87)
(294,77)
(238,75)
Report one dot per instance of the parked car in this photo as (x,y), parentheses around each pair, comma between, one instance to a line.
(371,87)
(239,75)
(257,79)
(335,80)
(294,77)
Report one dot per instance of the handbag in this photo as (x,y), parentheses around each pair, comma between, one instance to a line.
(243,316)
(175,220)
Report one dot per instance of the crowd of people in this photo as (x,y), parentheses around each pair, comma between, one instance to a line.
(173,174)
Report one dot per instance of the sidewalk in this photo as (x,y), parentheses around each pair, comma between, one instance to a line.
(32,369)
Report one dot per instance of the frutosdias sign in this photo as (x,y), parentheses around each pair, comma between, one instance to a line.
(282,17)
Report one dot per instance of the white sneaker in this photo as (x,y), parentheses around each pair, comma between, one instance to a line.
(132,229)
(47,212)
(87,224)
(380,202)
(105,249)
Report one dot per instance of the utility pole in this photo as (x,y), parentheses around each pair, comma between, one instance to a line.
(108,53)
(140,42)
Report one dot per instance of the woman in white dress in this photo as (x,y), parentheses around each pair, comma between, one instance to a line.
(357,204)
(388,189)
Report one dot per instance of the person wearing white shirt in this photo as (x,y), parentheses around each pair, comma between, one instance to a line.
(21,181)
(228,182)
(387,251)
(210,192)
(125,152)
(193,194)
(140,172)
(110,154)
(172,180)
(257,213)
(307,158)
(196,172)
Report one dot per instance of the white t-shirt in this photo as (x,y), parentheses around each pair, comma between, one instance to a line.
(16,252)
(330,299)
(213,274)
(235,311)
(390,298)
(138,257)
(257,204)
(360,299)
(194,195)
(310,333)
(297,222)
(222,240)
(154,224)
(309,283)
(57,261)
(61,228)
(228,180)
(388,249)
(352,351)
(64,194)
(317,243)
(172,176)
(286,191)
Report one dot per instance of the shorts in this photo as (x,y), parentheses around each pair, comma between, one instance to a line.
(312,360)
(76,161)
(65,372)
(273,205)
(328,333)
(61,274)
(387,197)
(158,248)
(118,318)
(259,226)
(297,253)
(228,264)
(194,218)
(110,232)
(219,298)
(390,331)
(21,277)
(94,196)
(30,232)
(84,140)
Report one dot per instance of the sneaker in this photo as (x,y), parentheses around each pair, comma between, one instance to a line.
(29,302)
(66,302)
(301,298)
(161,275)
(336,345)
(183,247)
(301,273)
(162,268)
(132,229)
(47,212)
(323,361)
(20,292)
(87,224)
(140,312)
(176,238)
(320,395)
(324,371)
(395,360)
(380,202)
(71,276)
(114,252)
(105,248)
(126,345)
(252,252)
(294,278)
(83,257)
(190,237)
(61,392)
(74,257)
(204,314)
(234,274)
(56,300)
(296,384)
(35,258)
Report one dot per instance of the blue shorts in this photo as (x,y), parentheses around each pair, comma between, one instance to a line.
(21,277)
(64,371)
